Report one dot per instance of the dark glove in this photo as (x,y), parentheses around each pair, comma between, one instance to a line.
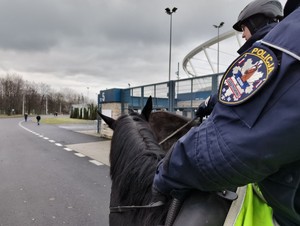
(177,194)
(180,194)
(158,196)
(206,107)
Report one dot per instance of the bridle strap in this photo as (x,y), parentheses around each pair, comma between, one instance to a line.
(120,209)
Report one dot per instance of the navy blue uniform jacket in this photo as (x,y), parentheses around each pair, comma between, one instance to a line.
(254,140)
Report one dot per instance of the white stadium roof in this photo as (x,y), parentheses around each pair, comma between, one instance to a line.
(203,59)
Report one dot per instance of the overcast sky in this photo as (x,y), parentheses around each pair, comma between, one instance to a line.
(104,44)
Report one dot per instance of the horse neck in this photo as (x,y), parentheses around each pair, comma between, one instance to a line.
(134,156)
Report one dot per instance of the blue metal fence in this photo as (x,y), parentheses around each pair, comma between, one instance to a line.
(183,95)
(176,95)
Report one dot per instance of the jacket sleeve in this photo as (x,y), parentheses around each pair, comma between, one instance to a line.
(204,159)
(231,149)
(239,144)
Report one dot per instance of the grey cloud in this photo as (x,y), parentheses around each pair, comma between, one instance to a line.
(102,43)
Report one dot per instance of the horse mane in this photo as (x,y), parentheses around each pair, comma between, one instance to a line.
(134,156)
(132,139)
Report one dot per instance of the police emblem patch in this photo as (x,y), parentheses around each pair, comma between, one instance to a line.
(246,75)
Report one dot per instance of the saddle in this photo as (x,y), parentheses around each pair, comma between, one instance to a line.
(202,208)
(211,209)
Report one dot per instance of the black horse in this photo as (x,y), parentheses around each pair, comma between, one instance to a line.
(169,127)
(135,153)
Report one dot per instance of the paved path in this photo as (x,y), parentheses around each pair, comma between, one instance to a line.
(45,182)
(95,150)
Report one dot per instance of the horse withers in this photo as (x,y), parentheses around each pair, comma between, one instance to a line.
(134,155)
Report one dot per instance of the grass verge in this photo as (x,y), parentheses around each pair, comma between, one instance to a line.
(63,120)
(52,120)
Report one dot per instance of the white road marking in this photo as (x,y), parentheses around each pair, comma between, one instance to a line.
(79,155)
(68,149)
(96,162)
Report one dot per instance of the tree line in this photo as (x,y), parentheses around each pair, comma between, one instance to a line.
(19,97)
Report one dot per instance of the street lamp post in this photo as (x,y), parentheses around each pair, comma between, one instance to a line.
(170,12)
(218,27)
(23,103)
(22,91)
(88,94)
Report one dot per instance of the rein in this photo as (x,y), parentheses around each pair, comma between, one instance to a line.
(172,213)
(121,209)
(178,130)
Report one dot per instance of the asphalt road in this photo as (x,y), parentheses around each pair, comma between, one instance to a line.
(44,184)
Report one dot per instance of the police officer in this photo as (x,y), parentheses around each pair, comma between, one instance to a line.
(254,21)
(252,135)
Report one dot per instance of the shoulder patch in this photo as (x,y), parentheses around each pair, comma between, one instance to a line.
(246,75)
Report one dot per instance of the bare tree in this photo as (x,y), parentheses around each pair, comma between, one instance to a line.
(19,96)
(12,93)
(31,97)
(43,90)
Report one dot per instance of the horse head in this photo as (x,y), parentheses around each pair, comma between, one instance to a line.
(134,156)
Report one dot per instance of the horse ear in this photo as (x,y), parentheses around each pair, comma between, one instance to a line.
(109,121)
(130,110)
(147,108)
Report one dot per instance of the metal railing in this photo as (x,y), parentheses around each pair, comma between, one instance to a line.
(182,95)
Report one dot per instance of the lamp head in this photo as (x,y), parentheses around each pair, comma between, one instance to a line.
(219,26)
(168,11)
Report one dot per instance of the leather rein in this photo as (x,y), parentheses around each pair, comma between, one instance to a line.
(178,130)
(121,209)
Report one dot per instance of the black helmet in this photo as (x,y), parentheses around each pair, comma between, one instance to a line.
(269,8)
